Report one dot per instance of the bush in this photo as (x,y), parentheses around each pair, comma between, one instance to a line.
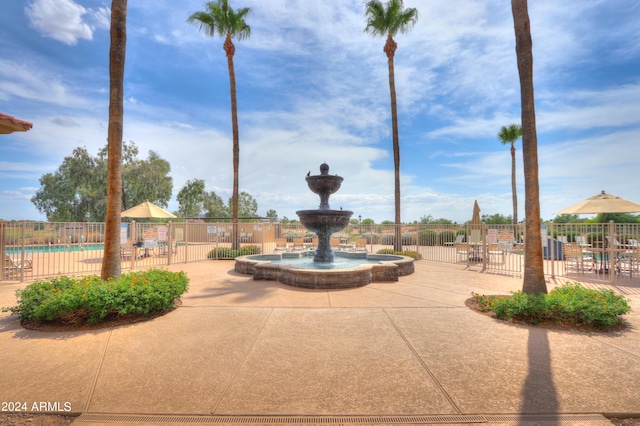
(413,254)
(372,238)
(289,236)
(90,299)
(408,239)
(229,253)
(570,303)
(447,237)
(427,238)
(387,239)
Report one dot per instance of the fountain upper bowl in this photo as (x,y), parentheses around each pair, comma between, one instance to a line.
(324,184)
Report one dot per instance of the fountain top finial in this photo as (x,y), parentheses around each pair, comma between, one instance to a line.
(324,169)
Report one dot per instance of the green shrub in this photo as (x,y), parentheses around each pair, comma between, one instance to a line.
(387,239)
(229,253)
(413,254)
(372,238)
(408,239)
(447,237)
(427,238)
(570,303)
(289,236)
(90,299)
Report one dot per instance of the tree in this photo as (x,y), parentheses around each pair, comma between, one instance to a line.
(219,18)
(272,214)
(509,135)
(214,206)
(68,194)
(117,51)
(247,205)
(191,198)
(77,190)
(533,266)
(496,219)
(387,20)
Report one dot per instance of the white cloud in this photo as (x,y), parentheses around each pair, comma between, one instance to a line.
(61,20)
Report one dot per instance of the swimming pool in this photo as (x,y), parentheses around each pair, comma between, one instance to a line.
(57,248)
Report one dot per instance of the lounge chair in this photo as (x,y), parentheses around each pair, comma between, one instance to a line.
(459,239)
(580,240)
(15,267)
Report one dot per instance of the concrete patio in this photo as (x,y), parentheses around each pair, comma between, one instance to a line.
(251,352)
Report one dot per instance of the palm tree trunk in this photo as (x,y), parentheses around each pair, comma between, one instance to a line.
(390,48)
(111,261)
(533,266)
(513,184)
(230,50)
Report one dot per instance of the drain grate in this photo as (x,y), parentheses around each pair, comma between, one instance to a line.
(320,420)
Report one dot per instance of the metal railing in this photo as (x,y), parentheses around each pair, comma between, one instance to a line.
(40,249)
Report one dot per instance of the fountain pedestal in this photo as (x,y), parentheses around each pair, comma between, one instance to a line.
(324,221)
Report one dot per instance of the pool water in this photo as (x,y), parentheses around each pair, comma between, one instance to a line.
(306,262)
(58,248)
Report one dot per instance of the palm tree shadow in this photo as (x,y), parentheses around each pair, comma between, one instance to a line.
(539,394)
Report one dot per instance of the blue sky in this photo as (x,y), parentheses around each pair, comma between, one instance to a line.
(313,87)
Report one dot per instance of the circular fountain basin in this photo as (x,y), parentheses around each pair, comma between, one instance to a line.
(349,270)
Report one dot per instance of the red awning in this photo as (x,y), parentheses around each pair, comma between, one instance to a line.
(9,124)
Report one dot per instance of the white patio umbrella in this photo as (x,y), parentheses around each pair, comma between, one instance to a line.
(147,209)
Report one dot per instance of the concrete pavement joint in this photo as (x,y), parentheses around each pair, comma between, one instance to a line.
(241,363)
(95,378)
(416,297)
(423,364)
(596,338)
(443,419)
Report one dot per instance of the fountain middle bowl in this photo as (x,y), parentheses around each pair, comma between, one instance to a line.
(319,220)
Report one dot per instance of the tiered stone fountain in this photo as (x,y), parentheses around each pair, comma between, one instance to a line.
(324,221)
(322,273)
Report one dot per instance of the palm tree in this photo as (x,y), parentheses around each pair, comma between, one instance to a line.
(219,18)
(533,267)
(509,135)
(111,262)
(387,20)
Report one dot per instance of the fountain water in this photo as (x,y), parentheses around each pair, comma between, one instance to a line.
(324,221)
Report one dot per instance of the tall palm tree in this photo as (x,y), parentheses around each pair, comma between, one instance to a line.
(388,20)
(111,262)
(533,266)
(219,18)
(509,135)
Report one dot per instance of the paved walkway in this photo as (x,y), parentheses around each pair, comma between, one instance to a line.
(240,351)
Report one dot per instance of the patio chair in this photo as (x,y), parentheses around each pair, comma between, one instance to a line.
(462,250)
(15,267)
(281,245)
(630,262)
(298,244)
(575,259)
(361,244)
(493,251)
(459,239)
(334,243)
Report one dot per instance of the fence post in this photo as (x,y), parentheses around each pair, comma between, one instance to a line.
(169,242)
(552,250)
(611,251)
